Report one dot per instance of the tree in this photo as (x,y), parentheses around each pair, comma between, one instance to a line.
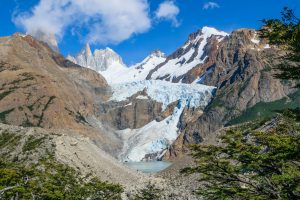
(250,165)
(51,180)
(285,33)
(148,193)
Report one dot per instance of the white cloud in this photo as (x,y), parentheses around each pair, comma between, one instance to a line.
(168,11)
(210,5)
(103,21)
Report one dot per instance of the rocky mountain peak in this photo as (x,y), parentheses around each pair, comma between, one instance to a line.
(158,53)
(208,31)
(99,61)
(86,50)
(204,33)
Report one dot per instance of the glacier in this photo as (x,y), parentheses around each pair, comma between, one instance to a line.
(165,92)
(155,137)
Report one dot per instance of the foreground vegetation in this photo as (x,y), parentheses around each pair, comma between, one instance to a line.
(285,33)
(250,163)
(51,180)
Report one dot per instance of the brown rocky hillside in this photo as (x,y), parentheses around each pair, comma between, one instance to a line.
(39,88)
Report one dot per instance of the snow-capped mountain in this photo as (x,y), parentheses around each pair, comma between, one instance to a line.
(191,54)
(104,61)
(109,64)
(155,66)
(155,79)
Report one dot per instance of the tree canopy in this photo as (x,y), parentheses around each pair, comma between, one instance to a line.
(285,33)
(250,164)
(51,180)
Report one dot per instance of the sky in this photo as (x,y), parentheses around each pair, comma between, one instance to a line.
(133,28)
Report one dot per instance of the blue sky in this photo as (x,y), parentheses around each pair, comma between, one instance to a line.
(145,31)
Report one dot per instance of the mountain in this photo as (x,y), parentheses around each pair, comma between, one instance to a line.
(40,88)
(151,111)
(110,64)
(122,114)
(241,70)
(194,52)
(52,109)
(104,61)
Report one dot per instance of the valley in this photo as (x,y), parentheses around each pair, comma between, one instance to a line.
(133,125)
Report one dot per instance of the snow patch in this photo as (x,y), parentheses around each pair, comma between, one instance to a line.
(255,40)
(130,104)
(141,97)
(141,70)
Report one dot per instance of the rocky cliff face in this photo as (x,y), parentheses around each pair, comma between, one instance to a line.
(98,61)
(104,61)
(133,113)
(240,68)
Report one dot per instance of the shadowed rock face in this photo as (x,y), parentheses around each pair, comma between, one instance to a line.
(240,69)
(133,115)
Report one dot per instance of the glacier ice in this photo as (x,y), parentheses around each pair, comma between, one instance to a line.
(164,92)
(155,137)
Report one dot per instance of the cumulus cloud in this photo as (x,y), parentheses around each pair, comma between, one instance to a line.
(103,21)
(168,11)
(210,5)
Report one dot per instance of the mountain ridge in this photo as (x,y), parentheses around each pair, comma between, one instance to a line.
(191,51)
